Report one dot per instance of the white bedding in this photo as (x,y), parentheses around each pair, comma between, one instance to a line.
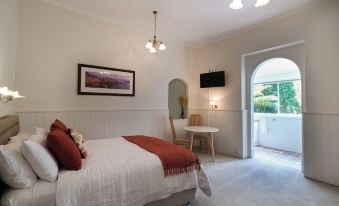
(121,173)
(42,194)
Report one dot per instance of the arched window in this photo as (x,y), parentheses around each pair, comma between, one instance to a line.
(277,87)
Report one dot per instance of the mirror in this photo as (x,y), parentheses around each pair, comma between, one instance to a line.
(177,99)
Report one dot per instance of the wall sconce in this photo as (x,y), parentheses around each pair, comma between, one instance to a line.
(213,105)
(7,95)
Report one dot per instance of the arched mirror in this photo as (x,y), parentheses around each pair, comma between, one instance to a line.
(177,99)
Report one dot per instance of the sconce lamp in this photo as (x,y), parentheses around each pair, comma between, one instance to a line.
(7,95)
(213,105)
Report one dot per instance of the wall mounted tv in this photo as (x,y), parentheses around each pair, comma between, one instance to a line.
(212,79)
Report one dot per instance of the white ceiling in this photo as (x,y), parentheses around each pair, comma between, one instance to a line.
(190,22)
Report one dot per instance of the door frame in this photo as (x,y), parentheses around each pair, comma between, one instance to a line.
(295,52)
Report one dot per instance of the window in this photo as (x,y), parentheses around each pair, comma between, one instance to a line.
(278,97)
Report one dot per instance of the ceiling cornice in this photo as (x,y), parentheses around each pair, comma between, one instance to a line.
(261,24)
(118,23)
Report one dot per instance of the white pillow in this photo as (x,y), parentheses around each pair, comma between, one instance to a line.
(15,170)
(40,135)
(42,131)
(38,138)
(21,137)
(41,160)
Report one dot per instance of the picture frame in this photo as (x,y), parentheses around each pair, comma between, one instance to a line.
(105,81)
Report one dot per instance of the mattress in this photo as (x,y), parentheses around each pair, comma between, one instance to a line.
(42,194)
(119,172)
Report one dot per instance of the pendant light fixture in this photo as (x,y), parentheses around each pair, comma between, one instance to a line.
(155,44)
(237,4)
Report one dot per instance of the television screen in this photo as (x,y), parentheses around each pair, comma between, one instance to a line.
(212,79)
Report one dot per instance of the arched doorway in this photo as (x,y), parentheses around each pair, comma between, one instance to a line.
(276,106)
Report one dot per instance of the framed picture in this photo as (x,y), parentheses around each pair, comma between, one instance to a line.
(96,80)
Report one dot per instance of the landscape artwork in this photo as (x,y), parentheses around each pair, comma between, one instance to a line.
(95,80)
(107,80)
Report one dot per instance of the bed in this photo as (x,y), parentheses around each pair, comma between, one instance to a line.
(112,175)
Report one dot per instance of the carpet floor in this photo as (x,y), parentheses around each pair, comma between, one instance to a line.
(256,182)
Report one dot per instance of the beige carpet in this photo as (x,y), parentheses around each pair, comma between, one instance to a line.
(256,182)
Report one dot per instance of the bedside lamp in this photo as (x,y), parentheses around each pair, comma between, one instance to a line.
(213,105)
(7,95)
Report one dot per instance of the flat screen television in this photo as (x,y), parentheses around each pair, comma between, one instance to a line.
(212,79)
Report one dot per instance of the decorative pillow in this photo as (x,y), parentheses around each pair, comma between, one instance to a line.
(57,124)
(41,160)
(15,170)
(79,141)
(64,150)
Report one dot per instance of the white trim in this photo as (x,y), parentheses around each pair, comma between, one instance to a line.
(219,110)
(280,115)
(281,46)
(321,113)
(87,110)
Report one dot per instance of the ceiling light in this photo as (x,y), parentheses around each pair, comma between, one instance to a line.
(236,4)
(162,46)
(7,95)
(153,50)
(149,44)
(153,44)
(261,3)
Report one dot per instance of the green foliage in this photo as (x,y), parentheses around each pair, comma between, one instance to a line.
(288,98)
(266,98)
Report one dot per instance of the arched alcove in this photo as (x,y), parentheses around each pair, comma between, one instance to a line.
(177,99)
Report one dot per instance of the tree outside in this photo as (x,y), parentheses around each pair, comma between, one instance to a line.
(267,97)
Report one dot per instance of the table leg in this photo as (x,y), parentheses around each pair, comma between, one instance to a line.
(191,142)
(211,145)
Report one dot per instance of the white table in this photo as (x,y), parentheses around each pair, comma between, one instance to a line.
(203,130)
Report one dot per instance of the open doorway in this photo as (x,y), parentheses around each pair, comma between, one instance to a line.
(277,114)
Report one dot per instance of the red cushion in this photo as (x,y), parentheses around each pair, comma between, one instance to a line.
(59,125)
(64,150)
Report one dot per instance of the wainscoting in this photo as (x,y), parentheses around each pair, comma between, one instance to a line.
(321,143)
(102,124)
(229,139)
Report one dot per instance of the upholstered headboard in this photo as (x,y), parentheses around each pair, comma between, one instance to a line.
(9,126)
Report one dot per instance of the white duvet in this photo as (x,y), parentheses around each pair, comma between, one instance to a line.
(121,173)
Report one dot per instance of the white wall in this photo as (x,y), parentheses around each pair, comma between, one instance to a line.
(54,40)
(319,28)
(279,131)
(8,45)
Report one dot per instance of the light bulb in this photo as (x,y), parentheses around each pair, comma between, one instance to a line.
(162,47)
(261,3)
(149,44)
(4,91)
(236,4)
(153,50)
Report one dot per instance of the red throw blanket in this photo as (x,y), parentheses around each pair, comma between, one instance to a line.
(175,159)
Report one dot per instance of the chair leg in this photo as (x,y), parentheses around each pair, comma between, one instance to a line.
(200,145)
(191,143)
